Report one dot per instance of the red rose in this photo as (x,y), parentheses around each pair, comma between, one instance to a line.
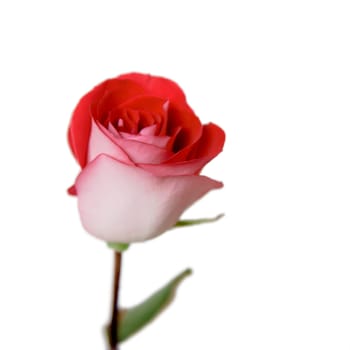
(141,149)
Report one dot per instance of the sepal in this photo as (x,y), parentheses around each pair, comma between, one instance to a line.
(118,247)
(192,222)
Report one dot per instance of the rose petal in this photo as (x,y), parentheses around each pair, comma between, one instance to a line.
(152,110)
(145,103)
(72,190)
(121,203)
(190,167)
(80,125)
(143,152)
(210,144)
(170,145)
(149,130)
(208,147)
(158,86)
(79,128)
(159,141)
(138,149)
(190,133)
(113,130)
(102,142)
(145,136)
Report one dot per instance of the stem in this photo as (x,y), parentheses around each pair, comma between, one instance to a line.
(113,328)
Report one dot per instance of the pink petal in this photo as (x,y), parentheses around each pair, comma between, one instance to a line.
(142,152)
(146,135)
(113,130)
(102,142)
(149,130)
(140,149)
(158,141)
(189,167)
(121,203)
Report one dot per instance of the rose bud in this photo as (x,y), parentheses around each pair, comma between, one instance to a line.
(141,149)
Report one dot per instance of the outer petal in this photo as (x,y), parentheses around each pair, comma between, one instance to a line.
(121,203)
(190,167)
(190,133)
(80,125)
(79,128)
(210,144)
(158,86)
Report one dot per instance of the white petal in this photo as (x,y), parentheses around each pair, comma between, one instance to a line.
(122,203)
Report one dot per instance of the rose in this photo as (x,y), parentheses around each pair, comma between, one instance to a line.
(141,149)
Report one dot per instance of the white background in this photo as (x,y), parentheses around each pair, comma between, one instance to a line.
(275,272)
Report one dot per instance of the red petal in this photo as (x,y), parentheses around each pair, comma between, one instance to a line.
(79,128)
(210,144)
(117,93)
(153,110)
(72,190)
(208,147)
(80,125)
(145,103)
(158,86)
(190,133)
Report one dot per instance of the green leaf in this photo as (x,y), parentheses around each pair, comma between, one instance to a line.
(183,223)
(134,319)
(119,247)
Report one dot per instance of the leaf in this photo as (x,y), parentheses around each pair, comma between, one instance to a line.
(134,319)
(182,223)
